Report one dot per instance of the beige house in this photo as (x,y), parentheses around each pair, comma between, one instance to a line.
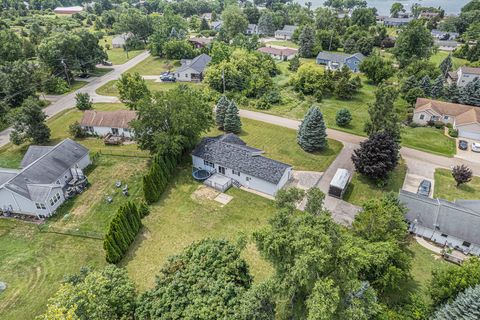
(279,53)
(466,119)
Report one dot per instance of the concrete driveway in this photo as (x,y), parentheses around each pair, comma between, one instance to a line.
(468,154)
(416,173)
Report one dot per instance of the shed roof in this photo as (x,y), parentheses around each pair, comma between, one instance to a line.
(340,179)
(232,152)
(108,119)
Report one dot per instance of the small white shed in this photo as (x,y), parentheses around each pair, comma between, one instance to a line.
(339,183)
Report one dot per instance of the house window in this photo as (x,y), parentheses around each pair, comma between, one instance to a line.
(40,206)
(466,244)
(186,75)
(445,117)
(248,178)
(208,163)
(55,199)
(444,235)
(422,116)
(236,172)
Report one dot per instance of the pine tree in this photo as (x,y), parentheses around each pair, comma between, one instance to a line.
(426,85)
(312,135)
(204,25)
(220,111)
(306,42)
(409,83)
(452,93)
(437,88)
(232,121)
(465,307)
(383,116)
(446,65)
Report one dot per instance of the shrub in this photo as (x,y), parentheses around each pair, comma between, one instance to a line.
(438,124)
(55,85)
(262,104)
(76,130)
(83,101)
(343,117)
(453,132)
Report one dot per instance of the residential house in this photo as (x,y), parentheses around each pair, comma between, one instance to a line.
(120,40)
(102,123)
(41,186)
(200,42)
(192,70)
(252,29)
(207,16)
(451,224)
(216,25)
(286,33)
(279,53)
(396,22)
(444,35)
(229,156)
(447,45)
(68,10)
(463,76)
(464,118)
(335,61)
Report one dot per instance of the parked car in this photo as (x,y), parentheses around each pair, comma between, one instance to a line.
(107,63)
(476,147)
(424,188)
(167,77)
(462,145)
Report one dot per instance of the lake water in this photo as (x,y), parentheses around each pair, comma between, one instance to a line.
(383,6)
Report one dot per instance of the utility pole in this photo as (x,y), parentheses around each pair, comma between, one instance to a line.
(66,71)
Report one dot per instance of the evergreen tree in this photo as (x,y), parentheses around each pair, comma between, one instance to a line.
(343,117)
(446,65)
(382,113)
(232,121)
(294,64)
(452,93)
(204,25)
(409,83)
(220,111)
(465,307)
(437,88)
(312,135)
(426,85)
(306,42)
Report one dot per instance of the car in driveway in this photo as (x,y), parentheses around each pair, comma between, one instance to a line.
(475,146)
(424,188)
(167,77)
(462,145)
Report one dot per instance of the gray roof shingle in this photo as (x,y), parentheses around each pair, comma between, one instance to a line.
(338,57)
(232,152)
(199,63)
(33,153)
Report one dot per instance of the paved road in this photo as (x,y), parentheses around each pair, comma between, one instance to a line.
(67,101)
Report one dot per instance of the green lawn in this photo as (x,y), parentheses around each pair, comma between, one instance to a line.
(33,265)
(438,57)
(76,84)
(284,43)
(182,217)
(280,144)
(118,55)
(428,139)
(153,66)
(110,89)
(362,189)
(446,187)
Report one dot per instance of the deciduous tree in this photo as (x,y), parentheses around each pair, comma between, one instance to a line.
(83,101)
(132,89)
(462,174)
(377,69)
(414,43)
(29,124)
(234,21)
(382,113)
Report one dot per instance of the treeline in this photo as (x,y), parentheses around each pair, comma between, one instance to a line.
(123,229)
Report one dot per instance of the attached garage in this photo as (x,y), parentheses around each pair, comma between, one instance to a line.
(469,131)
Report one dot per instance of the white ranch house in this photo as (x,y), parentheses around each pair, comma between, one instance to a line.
(39,188)
(228,156)
(192,70)
(102,123)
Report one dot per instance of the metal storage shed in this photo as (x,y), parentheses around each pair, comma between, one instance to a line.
(339,183)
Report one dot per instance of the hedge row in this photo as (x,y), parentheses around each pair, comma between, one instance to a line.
(158,176)
(122,230)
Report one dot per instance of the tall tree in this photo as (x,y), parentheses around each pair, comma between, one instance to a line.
(266,23)
(377,156)
(306,42)
(220,111)
(29,124)
(364,17)
(234,21)
(134,21)
(83,101)
(414,43)
(232,122)
(426,85)
(383,116)
(396,8)
(377,69)
(446,65)
(10,46)
(132,89)
(437,88)
(465,306)
(18,82)
(312,135)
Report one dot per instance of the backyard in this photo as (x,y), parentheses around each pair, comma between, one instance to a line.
(446,187)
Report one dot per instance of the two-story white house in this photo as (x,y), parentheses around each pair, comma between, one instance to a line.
(39,187)
(101,123)
(229,156)
(463,76)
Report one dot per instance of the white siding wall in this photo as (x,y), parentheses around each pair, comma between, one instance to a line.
(465,78)
(103,131)
(185,75)
(246,180)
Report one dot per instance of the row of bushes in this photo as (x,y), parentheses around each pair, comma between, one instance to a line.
(122,230)
(160,173)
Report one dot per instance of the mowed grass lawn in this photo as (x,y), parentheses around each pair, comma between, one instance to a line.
(117,55)
(362,188)
(110,88)
(33,264)
(153,66)
(438,57)
(446,187)
(428,139)
(280,144)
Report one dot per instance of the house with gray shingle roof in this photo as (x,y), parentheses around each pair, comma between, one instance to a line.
(336,60)
(452,224)
(229,156)
(286,33)
(192,70)
(40,187)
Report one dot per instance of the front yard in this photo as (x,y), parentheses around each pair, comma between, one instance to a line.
(110,88)
(429,139)
(446,187)
(154,66)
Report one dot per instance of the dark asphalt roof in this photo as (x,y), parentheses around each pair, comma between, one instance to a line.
(49,167)
(338,57)
(232,152)
(33,153)
(199,63)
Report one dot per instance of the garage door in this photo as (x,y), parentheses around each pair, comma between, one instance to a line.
(468,134)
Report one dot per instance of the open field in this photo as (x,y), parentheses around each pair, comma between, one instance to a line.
(446,187)
(117,55)
(362,189)
(154,66)
(283,43)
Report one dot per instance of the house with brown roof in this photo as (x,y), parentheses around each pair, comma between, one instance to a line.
(463,76)
(279,53)
(200,42)
(464,118)
(101,123)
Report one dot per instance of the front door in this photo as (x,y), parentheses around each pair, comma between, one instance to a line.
(221,170)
